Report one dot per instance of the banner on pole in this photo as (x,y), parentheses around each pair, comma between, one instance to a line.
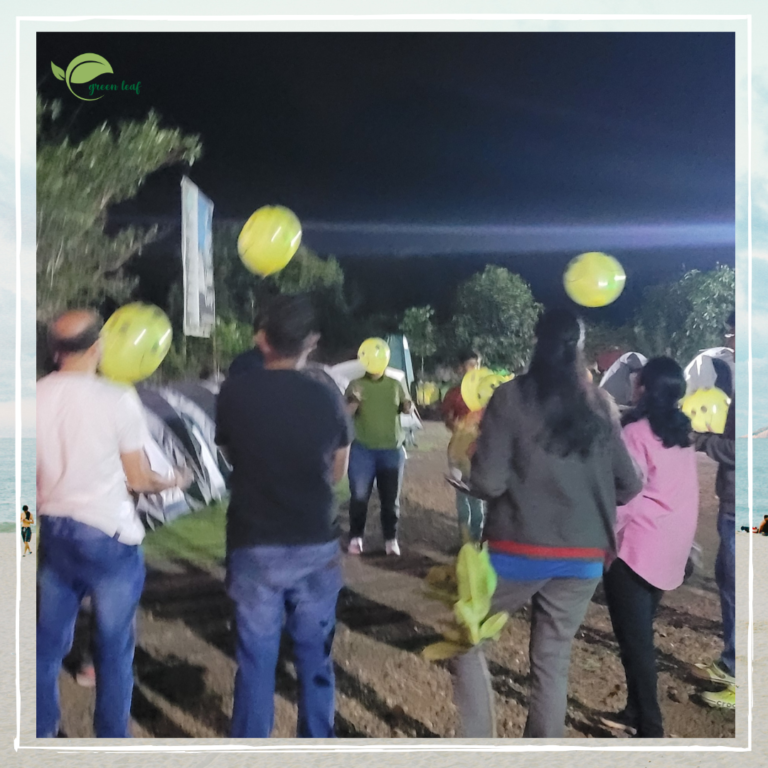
(197,258)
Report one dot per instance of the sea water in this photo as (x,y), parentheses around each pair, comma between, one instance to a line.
(759,480)
(8,510)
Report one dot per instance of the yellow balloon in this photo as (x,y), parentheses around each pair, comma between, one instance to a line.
(374,355)
(594,279)
(135,340)
(470,385)
(487,386)
(269,239)
(707,409)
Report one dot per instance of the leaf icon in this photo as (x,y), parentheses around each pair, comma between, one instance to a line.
(58,71)
(86,67)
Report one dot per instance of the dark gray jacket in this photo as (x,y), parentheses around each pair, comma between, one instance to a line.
(722,448)
(538,498)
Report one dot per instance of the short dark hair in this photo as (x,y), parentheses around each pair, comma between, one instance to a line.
(25,508)
(467,355)
(287,322)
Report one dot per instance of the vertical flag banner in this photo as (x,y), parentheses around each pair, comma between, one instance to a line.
(197,258)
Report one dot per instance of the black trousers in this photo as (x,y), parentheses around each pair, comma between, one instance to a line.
(632,604)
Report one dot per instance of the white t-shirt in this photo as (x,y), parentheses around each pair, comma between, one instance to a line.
(84,423)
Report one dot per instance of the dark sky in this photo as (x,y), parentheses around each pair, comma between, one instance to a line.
(449,145)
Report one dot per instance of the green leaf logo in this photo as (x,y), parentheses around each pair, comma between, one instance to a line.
(58,71)
(83,69)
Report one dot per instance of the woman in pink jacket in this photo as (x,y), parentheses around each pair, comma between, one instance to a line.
(654,535)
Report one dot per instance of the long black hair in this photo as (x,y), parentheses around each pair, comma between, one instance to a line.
(663,382)
(574,416)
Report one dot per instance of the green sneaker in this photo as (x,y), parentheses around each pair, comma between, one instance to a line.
(712,673)
(724,699)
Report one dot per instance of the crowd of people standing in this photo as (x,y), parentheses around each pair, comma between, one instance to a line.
(563,489)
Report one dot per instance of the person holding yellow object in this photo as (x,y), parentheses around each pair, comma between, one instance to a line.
(27,521)
(464,426)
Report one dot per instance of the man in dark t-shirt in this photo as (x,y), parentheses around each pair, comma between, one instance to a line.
(287,437)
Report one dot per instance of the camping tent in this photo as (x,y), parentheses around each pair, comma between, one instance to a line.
(711,368)
(400,358)
(618,380)
(182,429)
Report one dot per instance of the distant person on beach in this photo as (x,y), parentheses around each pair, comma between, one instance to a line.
(654,536)
(287,437)
(722,448)
(763,526)
(27,521)
(551,463)
(90,452)
(464,426)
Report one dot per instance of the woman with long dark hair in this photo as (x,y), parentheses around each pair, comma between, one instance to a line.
(654,535)
(552,466)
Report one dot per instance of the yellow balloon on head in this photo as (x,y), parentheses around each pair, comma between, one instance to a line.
(594,279)
(135,340)
(374,355)
(470,388)
(269,239)
(707,409)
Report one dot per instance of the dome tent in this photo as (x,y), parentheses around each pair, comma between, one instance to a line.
(711,368)
(618,380)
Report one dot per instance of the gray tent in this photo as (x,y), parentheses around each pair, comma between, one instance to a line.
(618,380)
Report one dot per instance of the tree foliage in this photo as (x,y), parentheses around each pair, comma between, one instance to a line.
(419,328)
(682,318)
(78,264)
(496,315)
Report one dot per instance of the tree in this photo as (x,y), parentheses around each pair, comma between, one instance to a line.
(496,315)
(601,337)
(78,264)
(680,319)
(418,327)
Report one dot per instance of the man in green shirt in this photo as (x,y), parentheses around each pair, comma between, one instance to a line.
(377,453)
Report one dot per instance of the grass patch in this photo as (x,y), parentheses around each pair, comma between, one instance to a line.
(200,537)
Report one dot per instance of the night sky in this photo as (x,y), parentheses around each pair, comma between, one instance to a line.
(418,158)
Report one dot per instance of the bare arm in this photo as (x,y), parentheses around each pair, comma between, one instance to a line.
(142,479)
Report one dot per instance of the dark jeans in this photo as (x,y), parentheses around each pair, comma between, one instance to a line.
(725,575)
(299,585)
(632,604)
(386,468)
(80,560)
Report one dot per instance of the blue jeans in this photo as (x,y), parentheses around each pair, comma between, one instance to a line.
(386,468)
(471,514)
(301,585)
(79,560)
(725,575)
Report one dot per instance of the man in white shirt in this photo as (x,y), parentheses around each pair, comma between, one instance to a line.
(90,439)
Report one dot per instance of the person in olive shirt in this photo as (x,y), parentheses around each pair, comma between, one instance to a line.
(377,453)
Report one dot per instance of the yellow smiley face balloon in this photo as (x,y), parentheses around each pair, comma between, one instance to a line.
(594,279)
(135,340)
(707,409)
(374,355)
(269,240)
(470,387)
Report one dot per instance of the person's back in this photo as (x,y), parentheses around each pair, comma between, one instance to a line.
(84,423)
(551,464)
(287,437)
(541,498)
(281,430)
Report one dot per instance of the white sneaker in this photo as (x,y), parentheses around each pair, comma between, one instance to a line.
(355,547)
(392,548)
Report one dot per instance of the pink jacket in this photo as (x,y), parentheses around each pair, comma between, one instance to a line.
(655,530)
